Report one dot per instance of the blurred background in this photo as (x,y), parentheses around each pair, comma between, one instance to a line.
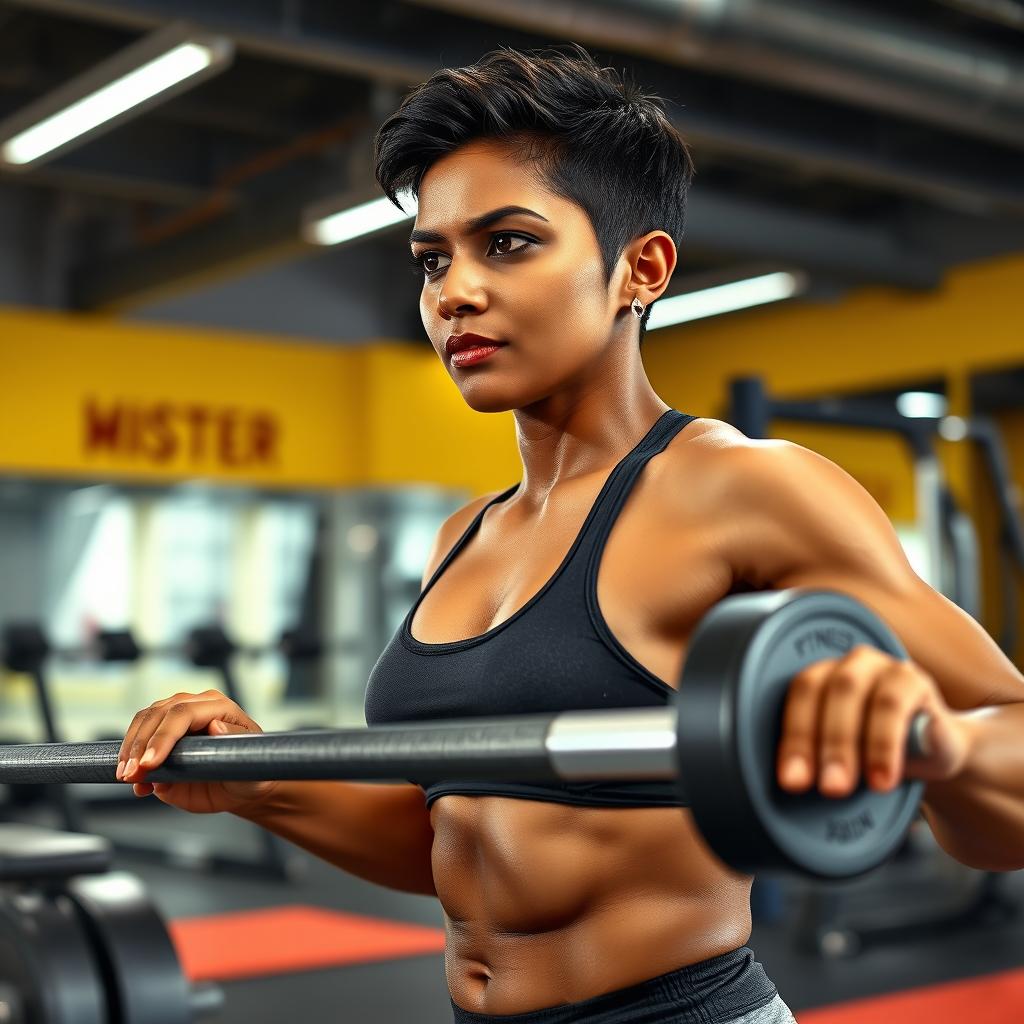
(223,451)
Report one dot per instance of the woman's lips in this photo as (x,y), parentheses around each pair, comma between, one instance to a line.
(472,356)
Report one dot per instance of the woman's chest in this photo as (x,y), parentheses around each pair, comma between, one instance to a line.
(657,572)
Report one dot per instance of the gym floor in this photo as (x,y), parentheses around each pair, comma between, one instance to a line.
(414,989)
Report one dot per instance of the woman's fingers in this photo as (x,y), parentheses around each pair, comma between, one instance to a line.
(157,728)
(191,717)
(137,724)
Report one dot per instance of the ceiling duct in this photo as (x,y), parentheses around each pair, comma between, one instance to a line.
(859,57)
(1002,12)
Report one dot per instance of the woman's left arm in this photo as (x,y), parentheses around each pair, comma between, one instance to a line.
(813,526)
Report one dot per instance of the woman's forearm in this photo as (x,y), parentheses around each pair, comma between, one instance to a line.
(377,832)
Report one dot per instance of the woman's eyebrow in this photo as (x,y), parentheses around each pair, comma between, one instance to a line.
(475,224)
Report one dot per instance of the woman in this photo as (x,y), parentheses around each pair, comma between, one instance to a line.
(551,205)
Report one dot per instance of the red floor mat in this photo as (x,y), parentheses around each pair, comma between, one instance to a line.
(222,947)
(253,943)
(992,999)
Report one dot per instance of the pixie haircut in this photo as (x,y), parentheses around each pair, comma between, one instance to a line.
(594,137)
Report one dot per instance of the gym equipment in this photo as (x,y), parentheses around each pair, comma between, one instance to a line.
(80,944)
(26,649)
(985,434)
(718,742)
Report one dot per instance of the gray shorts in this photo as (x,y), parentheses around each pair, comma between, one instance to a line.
(775,1012)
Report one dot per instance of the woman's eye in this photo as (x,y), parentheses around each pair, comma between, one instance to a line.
(506,235)
(427,262)
(427,258)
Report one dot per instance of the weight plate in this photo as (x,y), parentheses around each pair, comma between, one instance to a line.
(48,960)
(145,982)
(741,661)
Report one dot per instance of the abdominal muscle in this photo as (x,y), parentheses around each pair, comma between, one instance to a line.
(547,904)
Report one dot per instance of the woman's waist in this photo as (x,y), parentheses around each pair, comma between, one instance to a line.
(505,973)
(642,933)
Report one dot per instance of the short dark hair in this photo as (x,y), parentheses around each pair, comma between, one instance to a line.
(597,139)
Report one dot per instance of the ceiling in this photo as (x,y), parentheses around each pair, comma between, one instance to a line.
(830,138)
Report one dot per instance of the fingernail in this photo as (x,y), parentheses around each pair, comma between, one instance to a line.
(131,766)
(794,771)
(120,770)
(147,756)
(833,777)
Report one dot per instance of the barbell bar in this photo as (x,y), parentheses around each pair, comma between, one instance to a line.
(717,740)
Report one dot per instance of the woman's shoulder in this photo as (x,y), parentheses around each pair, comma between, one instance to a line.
(700,465)
(706,433)
(702,443)
(719,466)
(457,522)
(452,529)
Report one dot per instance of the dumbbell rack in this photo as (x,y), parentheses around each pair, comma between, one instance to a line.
(26,649)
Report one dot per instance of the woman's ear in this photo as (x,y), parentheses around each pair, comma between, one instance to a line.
(651,259)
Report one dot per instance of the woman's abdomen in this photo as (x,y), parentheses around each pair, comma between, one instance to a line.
(548,903)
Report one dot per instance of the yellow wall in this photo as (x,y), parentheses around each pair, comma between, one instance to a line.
(421,429)
(875,337)
(62,375)
(388,413)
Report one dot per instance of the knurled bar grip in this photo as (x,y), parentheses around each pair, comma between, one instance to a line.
(510,748)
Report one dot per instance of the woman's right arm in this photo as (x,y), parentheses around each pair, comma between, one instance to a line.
(378,832)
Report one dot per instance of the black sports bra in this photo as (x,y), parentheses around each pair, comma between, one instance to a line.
(555,654)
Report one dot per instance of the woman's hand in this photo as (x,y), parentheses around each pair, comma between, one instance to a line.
(155,730)
(848,718)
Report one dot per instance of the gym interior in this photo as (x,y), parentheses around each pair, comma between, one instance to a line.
(227,445)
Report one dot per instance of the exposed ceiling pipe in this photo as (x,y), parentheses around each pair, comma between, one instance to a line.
(121,187)
(222,195)
(846,160)
(382,62)
(402,68)
(732,226)
(1003,12)
(824,48)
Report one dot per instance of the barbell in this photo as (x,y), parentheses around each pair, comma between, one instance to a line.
(718,740)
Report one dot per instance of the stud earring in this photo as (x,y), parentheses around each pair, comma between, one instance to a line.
(637,306)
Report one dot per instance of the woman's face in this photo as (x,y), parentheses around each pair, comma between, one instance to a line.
(533,281)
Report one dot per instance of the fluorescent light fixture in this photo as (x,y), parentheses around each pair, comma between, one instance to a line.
(357,221)
(148,72)
(725,298)
(134,88)
(921,404)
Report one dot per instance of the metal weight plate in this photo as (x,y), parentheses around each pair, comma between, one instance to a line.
(144,978)
(48,961)
(741,661)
